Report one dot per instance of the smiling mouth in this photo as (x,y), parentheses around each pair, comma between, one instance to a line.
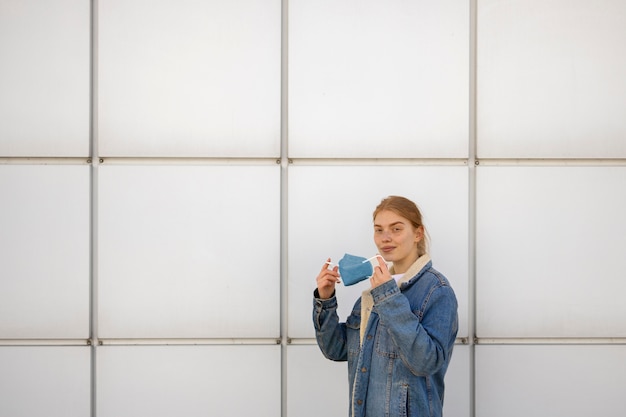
(388,248)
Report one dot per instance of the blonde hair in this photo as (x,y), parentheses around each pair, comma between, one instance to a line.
(406,208)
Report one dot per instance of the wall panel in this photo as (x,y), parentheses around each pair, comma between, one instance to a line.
(164,381)
(550,79)
(378,79)
(317,386)
(189,78)
(330,213)
(45,381)
(576,381)
(142,211)
(44,78)
(550,251)
(44,251)
(189,251)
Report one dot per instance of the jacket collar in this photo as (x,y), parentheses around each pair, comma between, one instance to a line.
(367,301)
(414,269)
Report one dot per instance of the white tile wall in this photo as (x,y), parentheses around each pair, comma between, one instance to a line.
(163,381)
(552,380)
(44,78)
(549,251)
(550,79)
(196,265)
(45,381)
(189,78)
(189,251)
(317,386)
(44,251)
(375,80)
(330,213)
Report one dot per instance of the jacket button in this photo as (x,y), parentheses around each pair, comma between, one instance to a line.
(359,402)
(364,369)
(369,337)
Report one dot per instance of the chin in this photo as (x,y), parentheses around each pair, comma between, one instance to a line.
(388,257)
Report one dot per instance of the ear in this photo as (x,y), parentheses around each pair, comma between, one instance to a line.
(419,234)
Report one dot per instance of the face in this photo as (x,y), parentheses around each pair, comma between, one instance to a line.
(396,239)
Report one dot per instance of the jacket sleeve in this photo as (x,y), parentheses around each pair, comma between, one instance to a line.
(329,333)
(424,341)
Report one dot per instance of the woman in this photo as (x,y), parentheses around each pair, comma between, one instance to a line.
(399,337)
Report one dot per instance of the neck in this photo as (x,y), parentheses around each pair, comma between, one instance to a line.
(402,267)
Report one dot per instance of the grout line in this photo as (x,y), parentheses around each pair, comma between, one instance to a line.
(510,341)
(93,149)
(380,161)
(45,342)
(557,162)
(189,341)
(309,341)
(284,162)
(472,164)
(471,161)
(302,341)
(135,160)
(45,161)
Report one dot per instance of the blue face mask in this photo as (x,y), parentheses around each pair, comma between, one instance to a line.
(354,269)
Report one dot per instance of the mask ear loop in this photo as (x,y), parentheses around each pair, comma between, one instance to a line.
(374,257)
(377,256)
(330,263)
(367,260)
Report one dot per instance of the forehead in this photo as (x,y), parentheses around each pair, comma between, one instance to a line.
(388,217)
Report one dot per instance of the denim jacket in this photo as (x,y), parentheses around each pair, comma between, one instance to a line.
(397,364)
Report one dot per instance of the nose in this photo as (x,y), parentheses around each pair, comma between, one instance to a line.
(386,236)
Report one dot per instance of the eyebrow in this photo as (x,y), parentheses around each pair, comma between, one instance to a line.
(392,224)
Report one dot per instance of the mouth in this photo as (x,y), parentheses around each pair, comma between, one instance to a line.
(387,249)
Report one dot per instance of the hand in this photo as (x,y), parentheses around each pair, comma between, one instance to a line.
(326,280)
(381,273)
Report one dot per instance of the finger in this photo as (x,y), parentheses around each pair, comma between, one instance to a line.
(332,277)
(328,278)
(326,264)
(378,271)
(381,262)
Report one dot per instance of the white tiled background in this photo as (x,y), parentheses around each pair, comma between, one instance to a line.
(174,173)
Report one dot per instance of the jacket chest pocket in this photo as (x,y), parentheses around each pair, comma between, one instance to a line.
(384,343)
(353,329)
